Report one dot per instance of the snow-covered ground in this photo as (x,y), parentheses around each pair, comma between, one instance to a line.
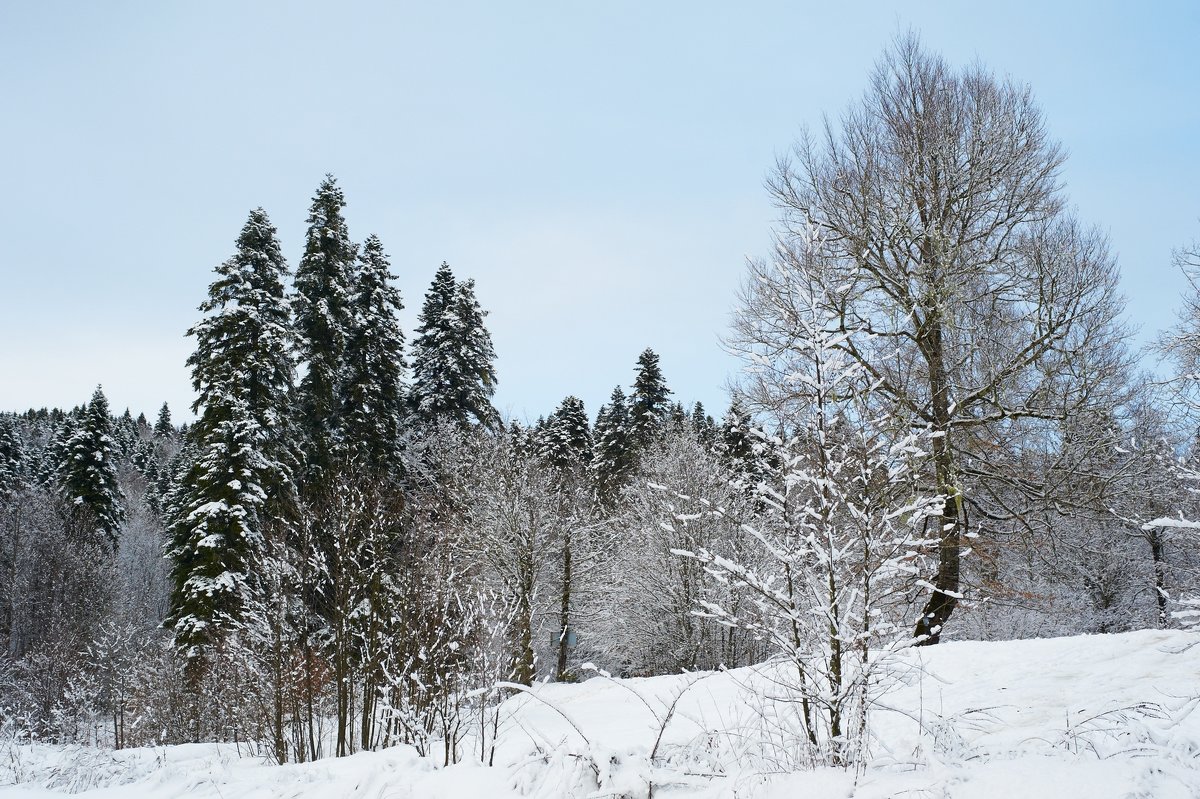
(1092,716)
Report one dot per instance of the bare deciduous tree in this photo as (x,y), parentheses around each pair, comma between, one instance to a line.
(943,234)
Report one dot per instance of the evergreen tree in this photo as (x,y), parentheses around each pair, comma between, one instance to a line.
(650,407)
(703,426)
(373,395)
(431,388)
(453,372)
(241,459)
(566,446)
(163,427)
(216,532)
(54,455)
(677,418)
(127,435)
(172,489)
(523,440)
(566,440)
(241,364)
(153,474)
(478,356)
(142,456)
(89,475)
(12,456)
(612,458)
(324,286)
(737,444)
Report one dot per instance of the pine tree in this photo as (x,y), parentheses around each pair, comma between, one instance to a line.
(478,356)
(677,418)
(650,407)
(566,441)
(216,535)
(324,286)
(612,458)
(163,427)
(240,456)
(12,456)
(737,445)
(54,455)
(171,490)
(241,363)
(453,372)
(523,440)
(127,435)
(566,445)
(89,475)
(373,395)
(432,386)
(703,426)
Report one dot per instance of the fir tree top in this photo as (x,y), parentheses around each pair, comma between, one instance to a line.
(89,474)
(567,438)
(163,427)
(242,344)
(612,454)
(650,405)
(323,287)
(454,376)
(373,393)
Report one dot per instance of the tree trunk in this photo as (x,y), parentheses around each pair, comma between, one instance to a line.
(944,598)
(564,617)
(1158,555)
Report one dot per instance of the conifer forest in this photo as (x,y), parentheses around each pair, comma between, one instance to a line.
(946,435)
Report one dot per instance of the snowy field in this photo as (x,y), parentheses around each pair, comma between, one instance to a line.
(1094,716)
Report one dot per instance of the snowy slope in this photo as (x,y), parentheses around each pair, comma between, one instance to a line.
(1092,716)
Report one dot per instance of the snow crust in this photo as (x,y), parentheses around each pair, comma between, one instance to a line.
(1086,716)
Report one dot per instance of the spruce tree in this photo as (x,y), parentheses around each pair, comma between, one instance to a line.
(566,440)
(477,354)
(432,386)
(239,456)
(172,488)
(677,418)
(163,427)
(373,394)
(89,475)
(650,407)
(324,287)
(703,426)
(54,455)
(12,457)
(216,535)
(524,439)
(612,457)
(566,445)
(739,446)
(453,372)
(241,364)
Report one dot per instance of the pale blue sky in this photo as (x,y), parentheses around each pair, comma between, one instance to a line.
(597,168)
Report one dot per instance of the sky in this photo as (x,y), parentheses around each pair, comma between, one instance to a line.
(597,168)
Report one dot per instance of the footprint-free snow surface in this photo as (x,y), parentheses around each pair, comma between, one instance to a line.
(1089,716)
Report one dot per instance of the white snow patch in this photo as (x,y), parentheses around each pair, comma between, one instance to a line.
(1089,716)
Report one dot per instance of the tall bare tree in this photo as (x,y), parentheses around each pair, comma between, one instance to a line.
(932,216)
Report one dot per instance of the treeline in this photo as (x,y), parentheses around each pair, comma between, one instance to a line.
(349,550)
